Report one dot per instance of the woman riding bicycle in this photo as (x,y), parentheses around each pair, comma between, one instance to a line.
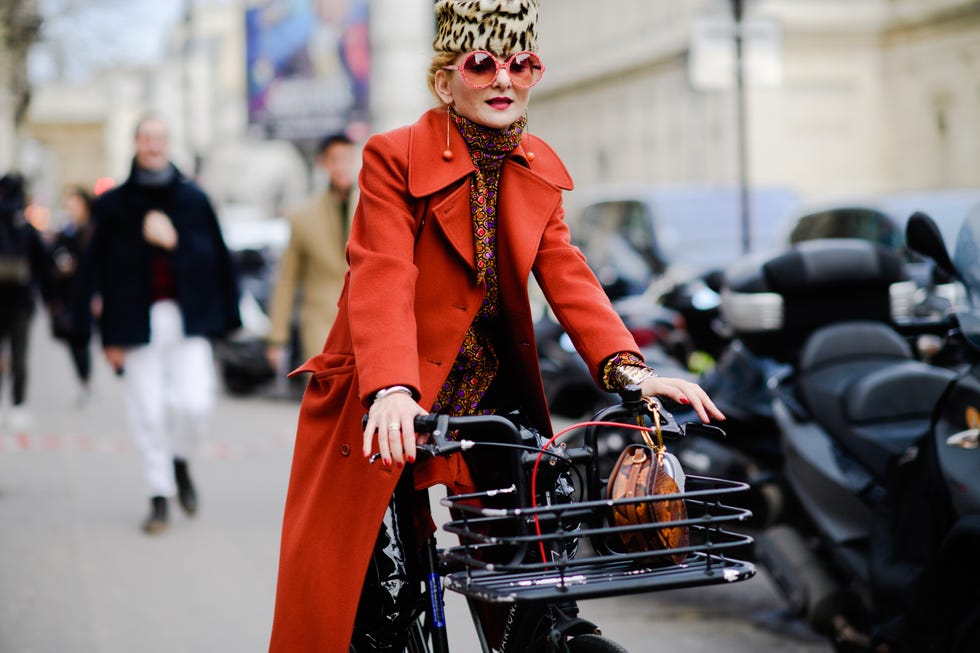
(455,213)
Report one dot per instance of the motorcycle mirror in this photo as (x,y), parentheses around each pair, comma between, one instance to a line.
(715,279)
(699,428)
(923,236)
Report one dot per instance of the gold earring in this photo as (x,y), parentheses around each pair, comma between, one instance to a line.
(447,154)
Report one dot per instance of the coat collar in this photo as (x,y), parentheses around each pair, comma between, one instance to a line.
(531,189)
(177,177)
(429,172)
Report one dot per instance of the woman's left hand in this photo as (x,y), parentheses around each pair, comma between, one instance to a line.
(683,392)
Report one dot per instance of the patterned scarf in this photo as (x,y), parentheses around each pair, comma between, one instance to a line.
(476,363)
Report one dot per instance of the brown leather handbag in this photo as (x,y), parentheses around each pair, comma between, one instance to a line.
(649,470)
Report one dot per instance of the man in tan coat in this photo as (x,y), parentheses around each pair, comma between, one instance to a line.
(314,263)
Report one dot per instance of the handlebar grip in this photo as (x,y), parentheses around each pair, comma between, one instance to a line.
(425,423)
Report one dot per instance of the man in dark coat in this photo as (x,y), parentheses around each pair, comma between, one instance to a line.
(23,268)
(164,284)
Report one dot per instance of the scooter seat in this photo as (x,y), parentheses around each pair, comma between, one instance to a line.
(889,410)
(849,341)
(859,381)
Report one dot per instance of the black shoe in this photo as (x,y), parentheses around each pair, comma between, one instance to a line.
(186,494)
(156,522)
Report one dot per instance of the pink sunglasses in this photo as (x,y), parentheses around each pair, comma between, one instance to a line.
(480,69)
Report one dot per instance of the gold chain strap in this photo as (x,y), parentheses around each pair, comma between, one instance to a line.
(654,407)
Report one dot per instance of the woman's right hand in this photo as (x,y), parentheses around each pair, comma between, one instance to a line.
(392,417)
(683,392)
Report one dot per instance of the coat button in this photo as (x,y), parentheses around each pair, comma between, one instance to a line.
(345,450)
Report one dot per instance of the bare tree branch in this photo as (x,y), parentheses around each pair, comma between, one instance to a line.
(20,25)
(80,36)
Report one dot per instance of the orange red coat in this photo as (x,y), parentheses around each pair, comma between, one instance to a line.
(409,297)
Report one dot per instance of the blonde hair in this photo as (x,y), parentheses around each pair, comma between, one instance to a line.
(439,59)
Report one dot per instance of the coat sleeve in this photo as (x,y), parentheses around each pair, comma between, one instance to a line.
(381,292)
(42,264)
(88,279)
(577,298)
(228,271)
(284,292)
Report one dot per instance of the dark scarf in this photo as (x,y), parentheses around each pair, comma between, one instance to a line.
(477,363)
(154,178)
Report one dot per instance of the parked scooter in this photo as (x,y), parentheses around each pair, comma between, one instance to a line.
(770,305)
(881,454)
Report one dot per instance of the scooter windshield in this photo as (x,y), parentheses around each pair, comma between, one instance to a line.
(967,261)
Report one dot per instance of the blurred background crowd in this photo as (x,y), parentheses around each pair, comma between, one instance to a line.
(697,131)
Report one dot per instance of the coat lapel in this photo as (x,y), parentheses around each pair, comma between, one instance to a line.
(453,216)
(526,203)
(530,189)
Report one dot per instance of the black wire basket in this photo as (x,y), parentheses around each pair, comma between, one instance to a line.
(509,552)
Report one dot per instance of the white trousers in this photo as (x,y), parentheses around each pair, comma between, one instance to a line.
(170,390)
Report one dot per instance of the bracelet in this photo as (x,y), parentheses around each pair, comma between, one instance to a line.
(384,392)
(634,374)
(615,374)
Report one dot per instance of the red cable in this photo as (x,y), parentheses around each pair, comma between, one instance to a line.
(537,462)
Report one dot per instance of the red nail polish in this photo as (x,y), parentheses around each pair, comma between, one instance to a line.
(684,400)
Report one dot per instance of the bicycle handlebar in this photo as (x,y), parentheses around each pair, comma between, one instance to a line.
(439,425)
(495,426)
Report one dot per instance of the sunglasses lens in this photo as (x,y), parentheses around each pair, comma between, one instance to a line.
(479,69)
(525,69)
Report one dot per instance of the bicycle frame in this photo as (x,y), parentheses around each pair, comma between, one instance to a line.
(435,607)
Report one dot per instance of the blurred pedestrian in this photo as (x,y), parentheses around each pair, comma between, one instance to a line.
(167,284)
(23,269)
(66,252)
(314,262)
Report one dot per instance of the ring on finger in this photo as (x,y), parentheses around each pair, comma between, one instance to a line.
(394,427)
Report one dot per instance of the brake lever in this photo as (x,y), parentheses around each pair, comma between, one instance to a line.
(451,446)
(670,426)
(700,428)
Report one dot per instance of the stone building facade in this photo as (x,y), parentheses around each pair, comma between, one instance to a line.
(875,95)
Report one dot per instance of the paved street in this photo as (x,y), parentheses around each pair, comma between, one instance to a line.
(78,576)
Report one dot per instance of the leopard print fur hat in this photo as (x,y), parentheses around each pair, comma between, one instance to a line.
(498,26)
